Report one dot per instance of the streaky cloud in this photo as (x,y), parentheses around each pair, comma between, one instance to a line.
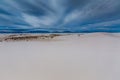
(70,15)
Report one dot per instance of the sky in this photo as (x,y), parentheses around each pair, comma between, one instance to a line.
(50,16)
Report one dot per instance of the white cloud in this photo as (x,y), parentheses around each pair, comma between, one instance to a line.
(92,10)
(38,21)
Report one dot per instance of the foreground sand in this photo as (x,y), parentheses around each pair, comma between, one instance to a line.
(70,57)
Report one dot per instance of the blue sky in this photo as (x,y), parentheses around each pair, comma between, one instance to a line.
(59,16)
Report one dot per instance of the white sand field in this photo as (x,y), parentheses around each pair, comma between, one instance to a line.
(94,56)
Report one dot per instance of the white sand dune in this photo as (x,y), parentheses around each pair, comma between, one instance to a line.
(93,56)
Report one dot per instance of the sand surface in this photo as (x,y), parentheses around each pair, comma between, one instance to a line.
(93,56)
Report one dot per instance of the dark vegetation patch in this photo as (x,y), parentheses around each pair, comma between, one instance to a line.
(29,37)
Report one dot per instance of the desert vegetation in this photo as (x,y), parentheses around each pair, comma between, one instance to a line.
(29,37)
